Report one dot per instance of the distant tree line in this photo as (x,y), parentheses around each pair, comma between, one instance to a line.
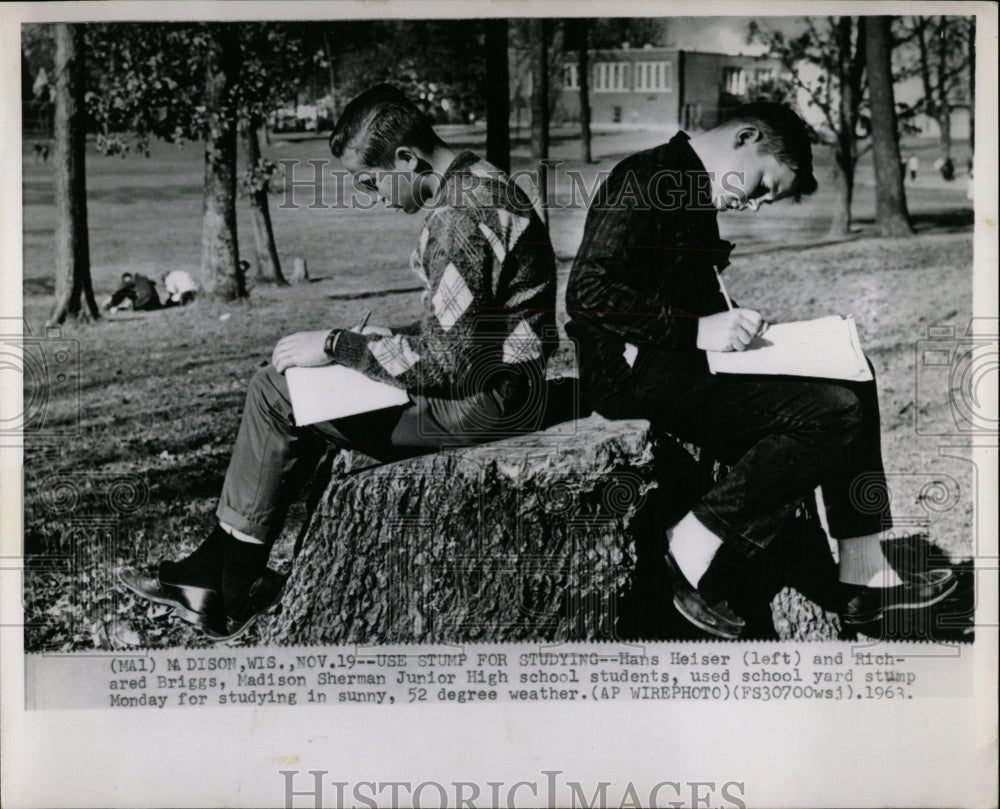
(846,67)
(214,83)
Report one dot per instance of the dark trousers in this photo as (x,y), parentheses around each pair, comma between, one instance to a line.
(145,304)
(272,457)
(782,436)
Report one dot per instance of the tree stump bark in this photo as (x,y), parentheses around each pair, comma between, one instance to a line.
(534,538)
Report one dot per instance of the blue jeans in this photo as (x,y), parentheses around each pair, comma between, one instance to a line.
(782,436)
(272,457)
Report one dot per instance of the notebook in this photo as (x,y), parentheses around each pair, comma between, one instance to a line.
(827,347)
(335,392)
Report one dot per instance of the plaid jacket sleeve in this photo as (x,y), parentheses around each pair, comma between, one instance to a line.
(457,261)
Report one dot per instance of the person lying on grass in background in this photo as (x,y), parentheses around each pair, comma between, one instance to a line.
(645,304)
(472,365)
(136,292)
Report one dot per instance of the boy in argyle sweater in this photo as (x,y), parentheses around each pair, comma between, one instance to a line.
(489,296)
(473,365)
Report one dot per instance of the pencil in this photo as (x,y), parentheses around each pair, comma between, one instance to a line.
(722,287)
(364,322)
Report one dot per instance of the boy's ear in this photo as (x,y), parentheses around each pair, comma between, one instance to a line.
(406,158)
(747,134)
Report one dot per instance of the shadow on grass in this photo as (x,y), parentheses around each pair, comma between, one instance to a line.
(805,245)
(944,220)
(125,193)
(195,477)
(373,293)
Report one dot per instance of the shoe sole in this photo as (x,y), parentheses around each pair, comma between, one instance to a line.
(235,635)
(692,619)
(711,630)
(280,591)
(911,605)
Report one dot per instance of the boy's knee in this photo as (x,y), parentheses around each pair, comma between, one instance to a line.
(268,387)
(844,412)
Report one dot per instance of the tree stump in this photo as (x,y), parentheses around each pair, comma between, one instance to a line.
(533,538)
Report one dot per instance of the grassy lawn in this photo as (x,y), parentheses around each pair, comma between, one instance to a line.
(160,393)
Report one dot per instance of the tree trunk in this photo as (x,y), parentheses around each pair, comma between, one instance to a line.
(944,103)
(972,87)
(539,44)
(332,74)
(929,106)
(220,254)
(890,196)
(849,71)
(268,263)
(583,73)
(497,95)
(843,178)
(72,268)
(944,124)
(575,518)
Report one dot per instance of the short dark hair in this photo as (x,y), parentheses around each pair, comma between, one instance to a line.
(378,122)
(785,135)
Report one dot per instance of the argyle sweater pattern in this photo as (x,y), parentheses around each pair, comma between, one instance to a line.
(487,264)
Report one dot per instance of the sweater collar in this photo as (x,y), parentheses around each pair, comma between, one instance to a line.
(461,162)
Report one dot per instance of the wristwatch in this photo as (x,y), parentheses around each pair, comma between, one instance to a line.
(330,345)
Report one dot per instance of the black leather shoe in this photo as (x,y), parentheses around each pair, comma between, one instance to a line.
(196,605)
(863,605)
(715,618)
(238,618)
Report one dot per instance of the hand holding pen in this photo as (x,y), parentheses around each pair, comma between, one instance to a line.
(732,330)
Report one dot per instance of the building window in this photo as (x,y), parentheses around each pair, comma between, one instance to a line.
(652,77)
(734,80)
(571,77)
(763,75)
(610,77)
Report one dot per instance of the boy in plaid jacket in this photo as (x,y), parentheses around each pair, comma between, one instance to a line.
(473,365)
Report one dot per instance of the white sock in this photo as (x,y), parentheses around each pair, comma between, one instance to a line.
(693,547)
(862,562)
(239,534)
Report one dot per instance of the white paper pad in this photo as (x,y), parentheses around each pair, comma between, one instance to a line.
(334,392)
(827,347)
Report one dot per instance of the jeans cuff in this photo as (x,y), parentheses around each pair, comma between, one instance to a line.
(236,520)
(741,544)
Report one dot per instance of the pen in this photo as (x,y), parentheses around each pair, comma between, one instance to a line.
(729,302)
(364,322)
(722,287)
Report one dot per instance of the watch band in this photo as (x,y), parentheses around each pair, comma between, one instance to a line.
(330,345)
